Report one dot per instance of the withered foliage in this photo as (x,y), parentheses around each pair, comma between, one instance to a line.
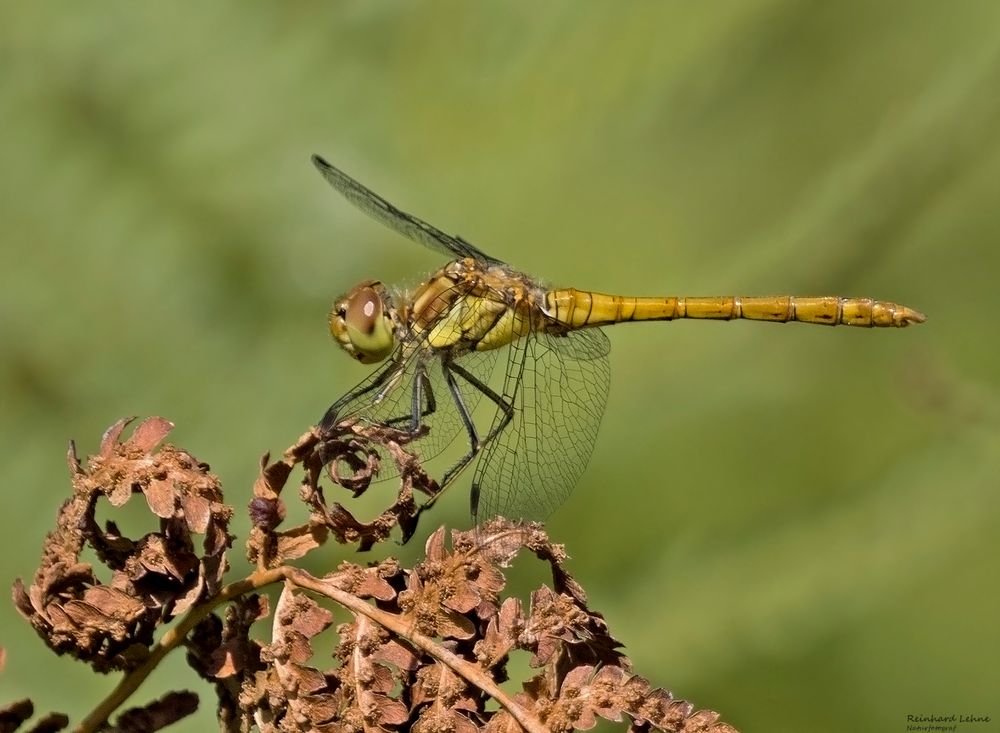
(152,717)
(375,647)
(424,650)
(154,577)
(352,456)
(14,715)
(155,715)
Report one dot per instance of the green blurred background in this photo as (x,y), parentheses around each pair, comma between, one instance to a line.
(792,525)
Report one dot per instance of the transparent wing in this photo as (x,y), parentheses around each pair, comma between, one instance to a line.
(558,387)
(436,404)
(411,388)
(406,224)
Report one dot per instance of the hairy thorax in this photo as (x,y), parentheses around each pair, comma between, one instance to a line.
(470,305)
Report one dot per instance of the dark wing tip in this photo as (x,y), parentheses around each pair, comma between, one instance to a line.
(318,161)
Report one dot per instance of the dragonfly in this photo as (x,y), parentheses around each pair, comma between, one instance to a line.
(438,345)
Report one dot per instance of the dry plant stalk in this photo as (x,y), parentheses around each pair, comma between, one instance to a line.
(423,649)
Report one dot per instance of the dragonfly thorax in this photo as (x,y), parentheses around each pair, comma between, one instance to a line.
(362,323)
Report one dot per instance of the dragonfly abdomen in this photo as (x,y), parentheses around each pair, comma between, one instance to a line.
(581,308)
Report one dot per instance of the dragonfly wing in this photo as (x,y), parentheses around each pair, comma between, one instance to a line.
(386,397)
(406,224)
(558,387)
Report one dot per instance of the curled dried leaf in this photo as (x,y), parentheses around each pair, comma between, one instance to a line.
(422,649)
(154,577)
(351,455)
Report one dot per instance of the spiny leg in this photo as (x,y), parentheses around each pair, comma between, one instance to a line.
(418,409)
(332,414)
(477,445)
(500,423)
(451,369)
(421,387)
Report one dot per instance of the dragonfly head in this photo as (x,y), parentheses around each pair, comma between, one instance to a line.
(362,324)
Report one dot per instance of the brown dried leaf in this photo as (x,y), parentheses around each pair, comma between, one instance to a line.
(12,716)
(225,654)
(294,696)
(501,635)
(299,541)
(426,657)
(148,435)
(423,607)
(161,497)
(103,625)
(351,453)
(372,682)
(706,721)
(503,722)
(156,715)
(109,441)
(399,654)
(439,717)
(49,723)
(387,677)
(370,582)
(443,690)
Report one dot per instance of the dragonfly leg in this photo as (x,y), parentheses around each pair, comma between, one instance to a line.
(421,385)
(418,408)
(503,419)
(505,406)
(332,415)
(476,445)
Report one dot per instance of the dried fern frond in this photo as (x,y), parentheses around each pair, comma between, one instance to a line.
(425,648)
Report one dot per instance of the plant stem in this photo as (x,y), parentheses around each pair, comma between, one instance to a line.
(171,639)
(175,636)
(405,630)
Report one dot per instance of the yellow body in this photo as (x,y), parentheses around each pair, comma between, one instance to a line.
(580,308)
(479,307)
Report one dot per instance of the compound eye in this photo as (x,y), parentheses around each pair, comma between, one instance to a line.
(367,331)
(363,311)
